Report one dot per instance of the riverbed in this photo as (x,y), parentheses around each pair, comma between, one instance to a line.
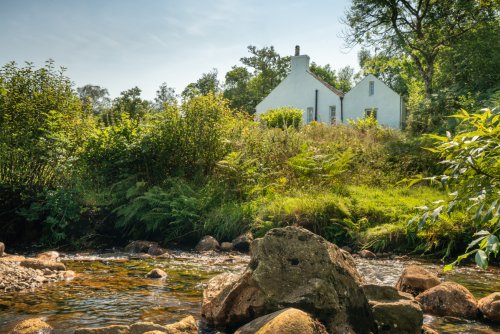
(111,289)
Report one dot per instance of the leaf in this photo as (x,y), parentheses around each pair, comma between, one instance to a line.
(493,245)
(481,259)
(475,242)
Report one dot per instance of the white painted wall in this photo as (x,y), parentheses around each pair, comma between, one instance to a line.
(298,90)
(385,100)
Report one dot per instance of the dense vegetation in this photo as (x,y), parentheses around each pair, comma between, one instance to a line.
(78,169)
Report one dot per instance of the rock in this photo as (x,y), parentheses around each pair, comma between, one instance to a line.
(287,321)
(32,326)
(113,329)
(2,248)
(449,299)
(207,243)
(242,243)
(140,256)
(140,246)
(145,326)
(416,279)
(226,246)
(51,256)
(12,258)
(156,250)
(42,264)
(490,307)
(157,273)
(187,325)
(69,274)
(428,330)
(231,300)
(365,253)
(347,249)
(394,312)
(291,267)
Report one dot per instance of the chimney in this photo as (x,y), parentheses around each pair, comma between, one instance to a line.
(299,63)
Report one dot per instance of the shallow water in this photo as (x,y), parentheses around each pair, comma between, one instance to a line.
(112,290)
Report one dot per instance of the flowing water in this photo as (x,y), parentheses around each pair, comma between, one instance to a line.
(110,289)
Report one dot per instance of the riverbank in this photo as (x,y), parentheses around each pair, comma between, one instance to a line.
(111,288)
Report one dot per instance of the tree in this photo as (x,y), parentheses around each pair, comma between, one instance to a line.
(325,73)
(164,94)
(472,178)
(268,66)
(421,29)
(236,89)
(130,102)
(345,77)
(395,72)
(208,83)
(95,96)
(43,127)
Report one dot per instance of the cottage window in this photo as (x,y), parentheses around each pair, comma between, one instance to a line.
(371,89)
(310,114)
(333,114)
(371,112)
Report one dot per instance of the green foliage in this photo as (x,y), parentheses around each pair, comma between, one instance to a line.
(229,220)
(472,160)
(321,166)
(316,212)
(58,210)
(364,124)
(161,213)
(283,117)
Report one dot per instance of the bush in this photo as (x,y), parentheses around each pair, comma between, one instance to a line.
(283,117)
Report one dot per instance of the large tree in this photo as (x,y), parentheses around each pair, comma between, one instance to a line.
(164,94)
(95,96)
(208,83)
(421,29)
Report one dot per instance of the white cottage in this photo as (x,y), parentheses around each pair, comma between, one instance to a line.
(323,103)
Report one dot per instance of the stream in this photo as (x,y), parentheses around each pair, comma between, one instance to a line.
(111,289)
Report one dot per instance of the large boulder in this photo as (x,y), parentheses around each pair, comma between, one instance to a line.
(43,264)
(292,267)
(243,242)
(231,300)
(32,326)
(490,307)
(394,312)
(416,279)
(287,321)
(207,243)
(449,299)
(2,248)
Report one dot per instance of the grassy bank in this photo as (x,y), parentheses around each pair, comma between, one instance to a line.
(71,178)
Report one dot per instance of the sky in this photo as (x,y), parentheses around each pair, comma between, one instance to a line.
(119,44)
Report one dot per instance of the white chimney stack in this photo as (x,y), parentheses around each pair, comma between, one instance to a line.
(300,63)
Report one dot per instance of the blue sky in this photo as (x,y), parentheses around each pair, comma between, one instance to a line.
(119,44)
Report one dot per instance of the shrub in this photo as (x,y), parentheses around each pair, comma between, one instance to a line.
(283,117)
